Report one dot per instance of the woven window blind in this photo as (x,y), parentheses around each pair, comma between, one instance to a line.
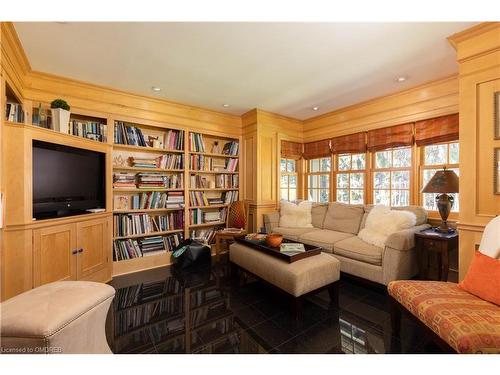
(394,136)
(436,130)
(291,150)
(352,143)
(318,149)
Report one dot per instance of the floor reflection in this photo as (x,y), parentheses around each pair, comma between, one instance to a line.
(206,311)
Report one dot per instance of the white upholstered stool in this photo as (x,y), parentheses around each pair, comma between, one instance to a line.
(61,317)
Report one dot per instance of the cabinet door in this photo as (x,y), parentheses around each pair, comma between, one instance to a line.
(54,256)
(94,246)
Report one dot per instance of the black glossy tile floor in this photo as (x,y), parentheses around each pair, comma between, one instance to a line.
(207,311)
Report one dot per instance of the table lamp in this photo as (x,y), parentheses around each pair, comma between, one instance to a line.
(443,182)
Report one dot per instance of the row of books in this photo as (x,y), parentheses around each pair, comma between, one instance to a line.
(131,319)
(129,135)
(134,248)
(148,180)
(149,200)
(14,112)
(167,161)
(139,293)
(151,180)
(231,148)
(89,129)
(135,224)
(198,181)
(205,235)
(231,165)
(199,198)
(198,216)
(196,142)
(174,140)
(227,181)
(206,163)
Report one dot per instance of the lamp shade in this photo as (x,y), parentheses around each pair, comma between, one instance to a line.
(445,181)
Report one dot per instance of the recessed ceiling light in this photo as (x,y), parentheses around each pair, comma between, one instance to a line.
(315,108)
(226,105)
(400,79)
(156,89)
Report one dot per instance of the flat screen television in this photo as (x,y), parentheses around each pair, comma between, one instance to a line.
(66,180)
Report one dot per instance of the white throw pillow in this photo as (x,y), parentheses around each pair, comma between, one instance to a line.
(295,215)
(381,222)
(490,242)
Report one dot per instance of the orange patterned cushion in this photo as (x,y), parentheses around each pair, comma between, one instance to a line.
(467,323)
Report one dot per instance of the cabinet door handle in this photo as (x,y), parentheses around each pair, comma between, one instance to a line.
(80,250)
(74,252)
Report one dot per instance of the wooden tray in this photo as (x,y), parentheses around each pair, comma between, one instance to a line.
(275,251)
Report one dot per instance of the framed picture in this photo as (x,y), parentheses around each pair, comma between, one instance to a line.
(496,171)
(497,115)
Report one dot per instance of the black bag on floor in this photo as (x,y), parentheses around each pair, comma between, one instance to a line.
(191,253)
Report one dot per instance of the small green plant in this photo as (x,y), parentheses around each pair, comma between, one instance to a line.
(59,103)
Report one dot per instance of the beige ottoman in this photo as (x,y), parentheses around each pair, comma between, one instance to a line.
(61,317)
(298,279)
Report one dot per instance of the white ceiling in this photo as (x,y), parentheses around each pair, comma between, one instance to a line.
(285,68)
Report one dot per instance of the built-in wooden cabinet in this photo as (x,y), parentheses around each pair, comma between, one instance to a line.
(75,248)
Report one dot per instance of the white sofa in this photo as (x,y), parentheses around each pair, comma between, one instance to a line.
(335,229)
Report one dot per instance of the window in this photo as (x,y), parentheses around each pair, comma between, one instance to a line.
(436,157)
(288,180)
(391,177)
(350,178)
(319,179)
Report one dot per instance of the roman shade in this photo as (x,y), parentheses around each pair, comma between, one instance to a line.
(437,130)
(318,149)
(291,150)
(352,143)
(394,136)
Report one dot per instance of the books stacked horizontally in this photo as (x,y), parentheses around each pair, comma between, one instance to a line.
(231,148)
(292,248)
(226,181)
(174,140)
(197,198)
(89,129)
(229,196)
(198,216)
(175,199)
(170,161)
(136,224)
(123,180)
(231,165)
(215,201)
(14,112)
(205,235)
(143,162)
(201,163)
(197,181)
(135,248)
(126,134)
(196,143)
(151,180)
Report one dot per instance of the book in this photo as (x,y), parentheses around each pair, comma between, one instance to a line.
(292,247)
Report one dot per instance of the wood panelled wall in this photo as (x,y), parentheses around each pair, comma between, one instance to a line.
(478,55)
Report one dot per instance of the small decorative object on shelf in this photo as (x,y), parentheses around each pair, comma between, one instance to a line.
(60,115)
(216,148)
(443,182)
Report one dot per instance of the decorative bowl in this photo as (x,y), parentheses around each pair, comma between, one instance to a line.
(274,239)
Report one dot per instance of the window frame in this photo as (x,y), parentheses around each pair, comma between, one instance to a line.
(410,169)
(337,171)
(288,174)
(434,214)
(319,173)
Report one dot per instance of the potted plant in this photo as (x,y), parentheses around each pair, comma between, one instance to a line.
(60,115)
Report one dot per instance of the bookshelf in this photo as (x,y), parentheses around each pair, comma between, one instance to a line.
(148,194)
(14,111)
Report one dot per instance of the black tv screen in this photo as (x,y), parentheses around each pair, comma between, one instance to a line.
(66,180)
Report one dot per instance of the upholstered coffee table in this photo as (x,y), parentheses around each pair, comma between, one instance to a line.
(297,279)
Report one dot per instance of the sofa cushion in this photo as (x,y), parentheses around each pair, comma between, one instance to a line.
(318,213)
(295,215)
(292,233)
(357,249)
(343,217)
(467,323)
(323,238)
